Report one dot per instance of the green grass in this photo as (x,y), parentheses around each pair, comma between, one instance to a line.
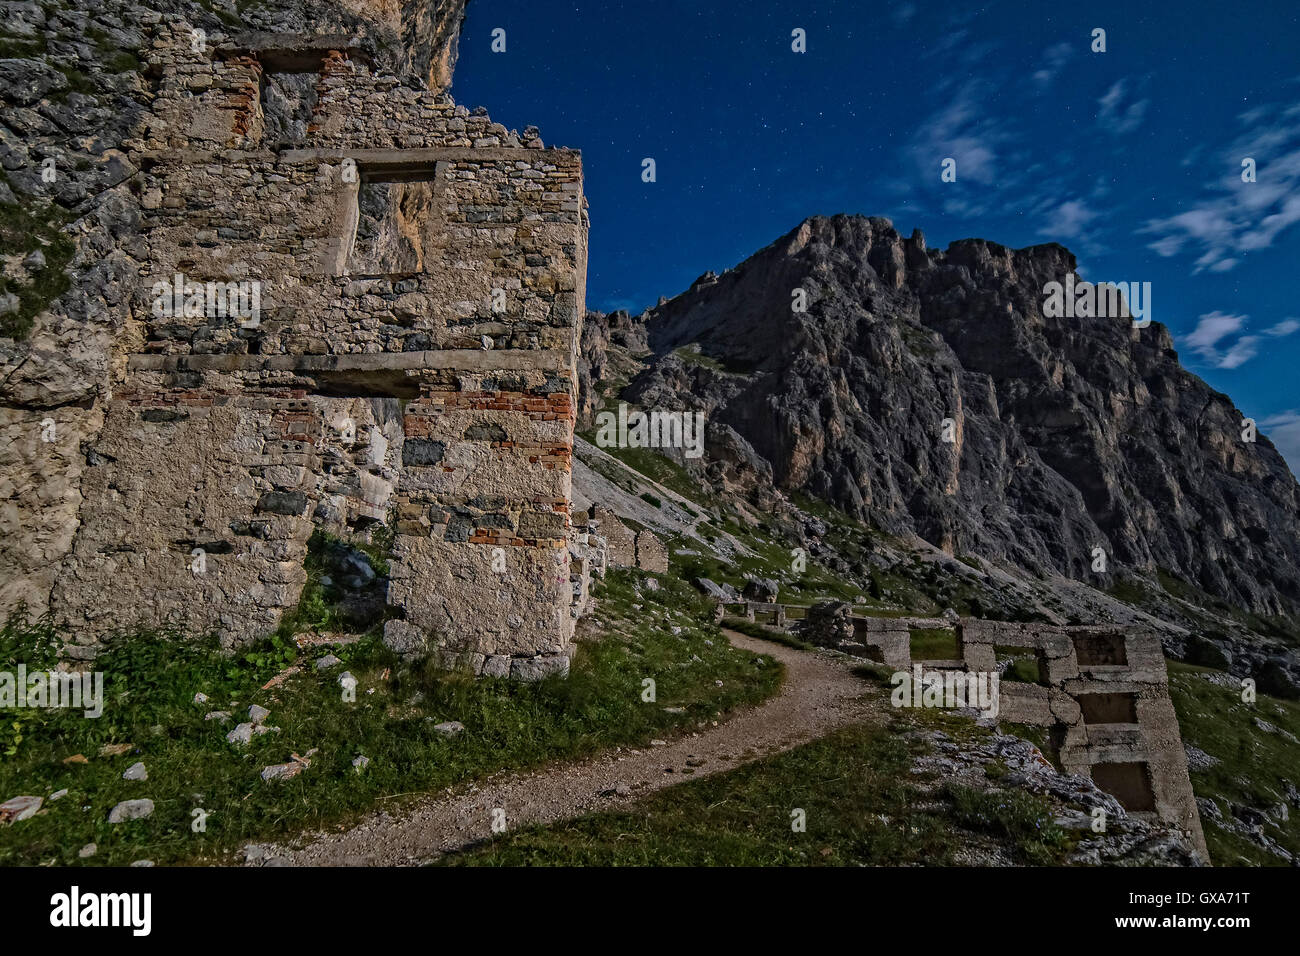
(1024,667)
(860,803)
(935,644)
(762,632)
(150,682)
(24,227)
(692,356)
(1254,765)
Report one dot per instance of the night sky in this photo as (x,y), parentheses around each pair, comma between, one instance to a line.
(1131,158)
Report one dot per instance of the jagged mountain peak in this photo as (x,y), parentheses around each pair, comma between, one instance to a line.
(1064,434)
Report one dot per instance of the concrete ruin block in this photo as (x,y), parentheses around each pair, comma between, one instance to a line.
(536,668)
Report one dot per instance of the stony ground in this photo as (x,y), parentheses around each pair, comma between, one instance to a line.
(820,694)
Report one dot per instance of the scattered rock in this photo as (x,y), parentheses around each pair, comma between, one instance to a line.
(19,808)
(76,758)
(221,715)
(58,794)
(326,662)
(724,593)
(142,863)
(200,698)
(257,714)
(136,772)
(764,590)
(241,735)
(449,728)
(90,849)
(360,763)
(130,810)
(114,750)
(1198,759)
(282,771)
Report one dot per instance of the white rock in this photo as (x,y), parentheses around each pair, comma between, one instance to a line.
(20,808)
(257,714)
(240,735)
(89,849)
(449,728)
(136,772)
(130,810)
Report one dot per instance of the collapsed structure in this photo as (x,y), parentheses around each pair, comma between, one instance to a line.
(358,303)
(1100,693)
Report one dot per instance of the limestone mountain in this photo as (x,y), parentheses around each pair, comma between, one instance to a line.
(1067,434)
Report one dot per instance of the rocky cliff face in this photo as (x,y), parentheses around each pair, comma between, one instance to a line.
(927,393)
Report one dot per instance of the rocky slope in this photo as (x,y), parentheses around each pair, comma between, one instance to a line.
(1069,434)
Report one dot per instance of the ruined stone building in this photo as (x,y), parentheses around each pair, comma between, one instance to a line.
(1100,694)
(355,302)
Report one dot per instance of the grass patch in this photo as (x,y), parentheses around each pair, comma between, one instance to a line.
(859,804)
(25,227)
(1024,667)
(762,632)
(150,682)
(1254,765)
(934,644)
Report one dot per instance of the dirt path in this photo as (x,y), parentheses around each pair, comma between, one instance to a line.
(819,694)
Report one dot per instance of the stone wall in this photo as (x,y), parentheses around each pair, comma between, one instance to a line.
(1102,694)
(420,274)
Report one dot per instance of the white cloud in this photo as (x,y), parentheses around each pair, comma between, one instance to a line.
(1115,115)
(1054,60)
(1212,327)
(1235,217)
(1069,220)
(1241,352)
(1283,429)
(904,13)
(966,130)
(1215,328)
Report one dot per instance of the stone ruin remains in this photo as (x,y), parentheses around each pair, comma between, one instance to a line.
(1102,695)
(418,274)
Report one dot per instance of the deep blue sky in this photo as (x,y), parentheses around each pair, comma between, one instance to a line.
(1131,158)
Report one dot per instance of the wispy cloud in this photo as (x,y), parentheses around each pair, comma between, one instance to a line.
(1235,217)
(1054,59)
(904,14)
(1283,429)
(1118,114)
(1217,339)
(965,130)
(1069,220)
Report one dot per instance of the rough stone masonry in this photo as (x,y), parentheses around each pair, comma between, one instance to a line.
(420,275)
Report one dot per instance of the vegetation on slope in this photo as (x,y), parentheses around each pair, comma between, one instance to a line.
(150,716)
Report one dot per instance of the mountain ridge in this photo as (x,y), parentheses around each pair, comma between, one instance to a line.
(1068,434)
